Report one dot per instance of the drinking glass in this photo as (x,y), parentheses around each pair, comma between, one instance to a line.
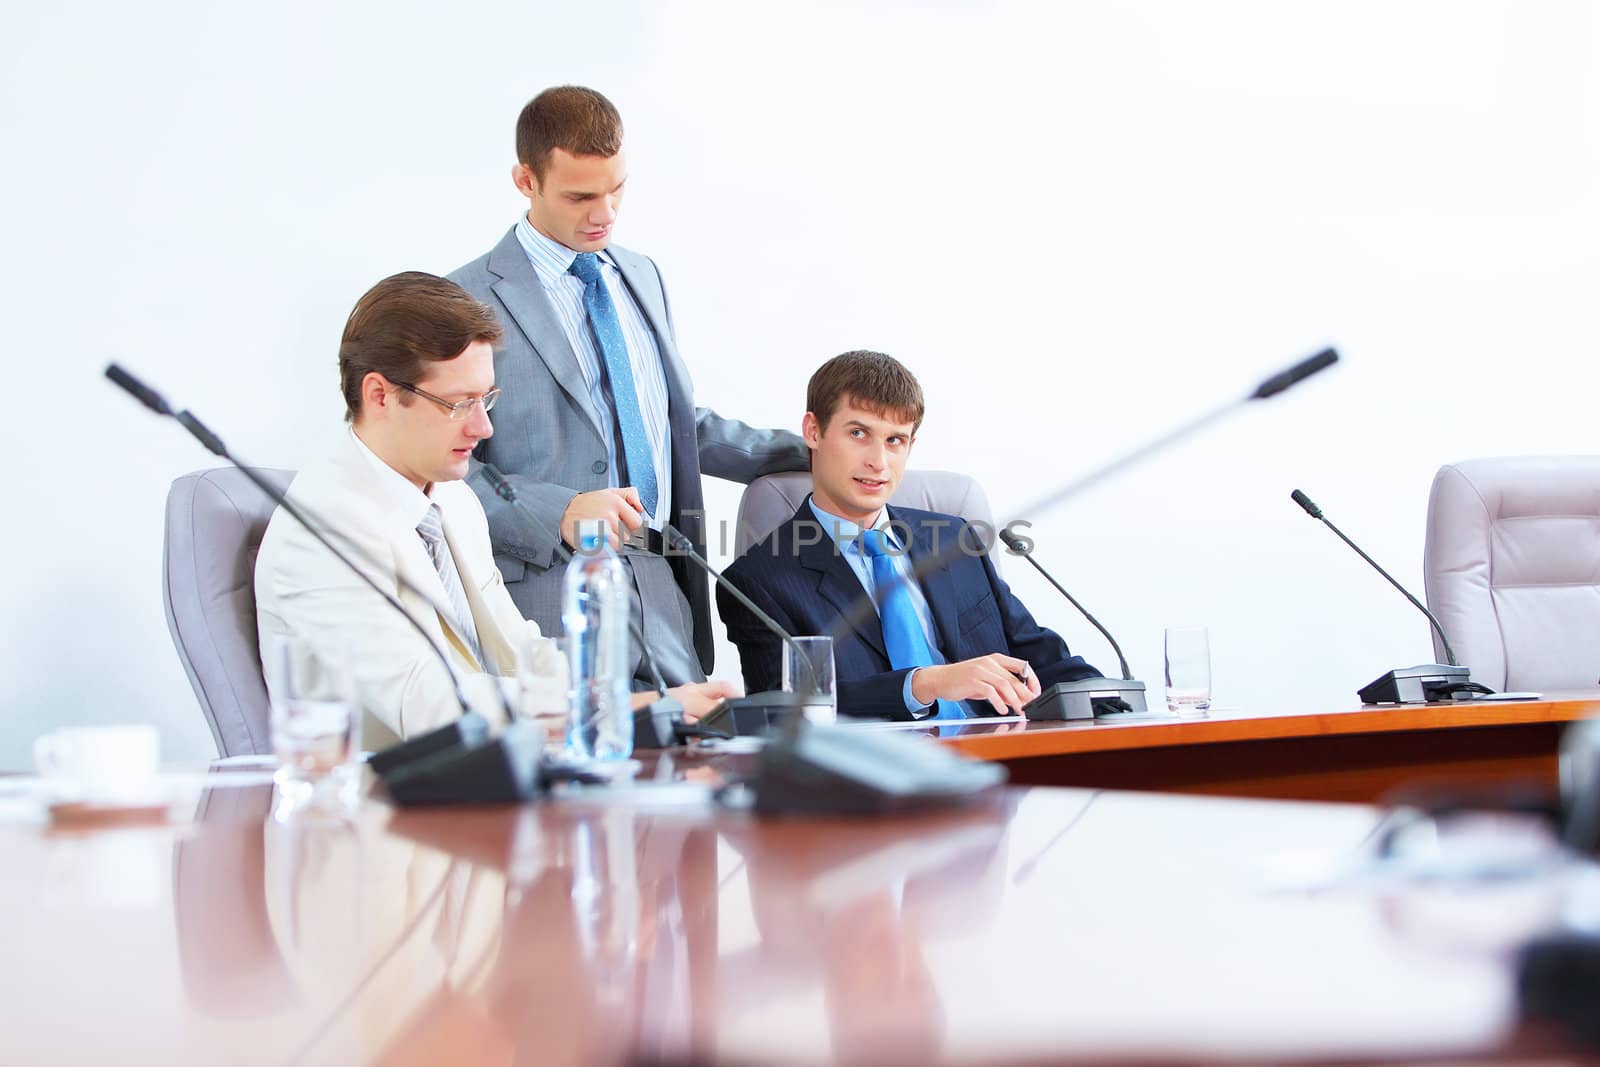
(1188,652)
(822,705)
(316,726)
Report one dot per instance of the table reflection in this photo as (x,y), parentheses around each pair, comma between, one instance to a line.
(852,914)
(229,957)
(573,932)
(608,941)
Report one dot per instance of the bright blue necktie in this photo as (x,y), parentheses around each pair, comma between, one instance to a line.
(903,636)
(624,397)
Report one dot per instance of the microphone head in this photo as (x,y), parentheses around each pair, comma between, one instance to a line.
(1304,501)
(1012,541)
(1296,374)
(138,390)
(676,539)
(498,483)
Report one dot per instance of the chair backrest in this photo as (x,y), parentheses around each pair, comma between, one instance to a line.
(770,500)
(1512,569)
(215,522)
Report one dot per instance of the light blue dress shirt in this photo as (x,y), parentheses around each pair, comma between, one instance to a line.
(552,262)
(846,535)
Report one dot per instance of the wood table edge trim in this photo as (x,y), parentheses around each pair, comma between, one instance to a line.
(1367,720)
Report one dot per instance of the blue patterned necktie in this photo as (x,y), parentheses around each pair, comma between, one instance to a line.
(903,636)
(608,335)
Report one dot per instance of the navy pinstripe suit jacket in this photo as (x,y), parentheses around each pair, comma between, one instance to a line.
(798,577)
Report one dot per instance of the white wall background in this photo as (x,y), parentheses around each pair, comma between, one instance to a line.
(1078,223)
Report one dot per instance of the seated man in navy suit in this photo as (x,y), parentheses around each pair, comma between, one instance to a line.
(948,640)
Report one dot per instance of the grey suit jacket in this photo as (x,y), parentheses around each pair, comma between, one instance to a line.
(547,440)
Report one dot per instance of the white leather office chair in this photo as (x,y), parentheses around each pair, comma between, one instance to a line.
(771,499)
(1512,569)
(215,522)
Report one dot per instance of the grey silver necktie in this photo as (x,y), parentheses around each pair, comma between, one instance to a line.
(431,528)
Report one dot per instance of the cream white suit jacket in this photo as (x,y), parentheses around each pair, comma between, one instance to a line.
(304,593)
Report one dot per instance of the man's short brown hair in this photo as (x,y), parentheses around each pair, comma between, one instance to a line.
(403,323)
(571,118)
(870,380)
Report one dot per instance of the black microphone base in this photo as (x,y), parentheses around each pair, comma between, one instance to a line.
(837,770)
(756,715)
(1558,979)
(470,729)
(501,770)
(656,726)
(1075,701)
(1423,684)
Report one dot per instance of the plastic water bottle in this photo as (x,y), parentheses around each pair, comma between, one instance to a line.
(594,613)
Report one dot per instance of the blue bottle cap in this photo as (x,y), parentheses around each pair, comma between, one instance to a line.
(591,536)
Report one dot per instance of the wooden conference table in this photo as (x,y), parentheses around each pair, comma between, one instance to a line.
(1041,926)
(1354,755)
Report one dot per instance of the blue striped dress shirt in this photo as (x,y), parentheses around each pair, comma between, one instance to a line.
(552,261)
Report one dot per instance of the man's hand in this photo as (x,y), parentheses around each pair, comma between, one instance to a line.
(698,698)
(619,508)
(1005,682)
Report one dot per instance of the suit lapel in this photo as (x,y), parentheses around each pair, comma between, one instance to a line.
(837,583)
(645,285)
(418,586)
(938,585)
(417,569)
(496,647)
(518,287)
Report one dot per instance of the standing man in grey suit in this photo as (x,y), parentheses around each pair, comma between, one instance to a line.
(597,417)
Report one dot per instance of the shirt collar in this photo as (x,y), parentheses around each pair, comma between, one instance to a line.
(398,492)
(844,532)
(550,259)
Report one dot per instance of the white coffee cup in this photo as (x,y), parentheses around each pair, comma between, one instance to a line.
(98,761)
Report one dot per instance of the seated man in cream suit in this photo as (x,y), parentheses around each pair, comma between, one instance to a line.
(416,366)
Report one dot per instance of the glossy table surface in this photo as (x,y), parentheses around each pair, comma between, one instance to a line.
(643,925)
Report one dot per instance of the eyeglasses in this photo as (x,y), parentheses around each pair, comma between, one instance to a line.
(461,408)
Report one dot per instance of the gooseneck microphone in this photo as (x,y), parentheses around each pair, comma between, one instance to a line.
(1316,513)
(1085,698)
(1015,544)
(1406,685)
(661,723)
(759,710)
(156,403)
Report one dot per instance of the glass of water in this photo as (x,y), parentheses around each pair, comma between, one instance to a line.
(1188,671)
(815,673)
(316,727)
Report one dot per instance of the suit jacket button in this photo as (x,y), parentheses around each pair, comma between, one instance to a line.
(599,466)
